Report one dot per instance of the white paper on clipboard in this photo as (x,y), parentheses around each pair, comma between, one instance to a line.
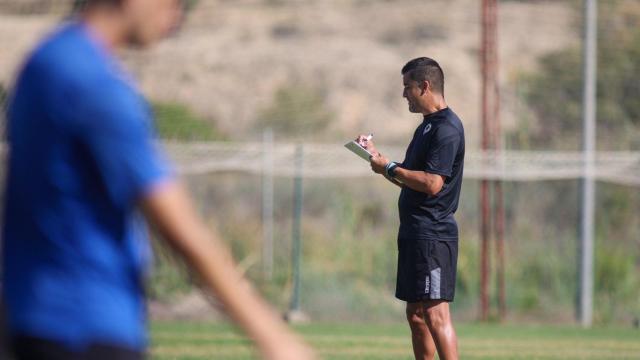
(358,150)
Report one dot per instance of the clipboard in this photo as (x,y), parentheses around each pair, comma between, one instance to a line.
(358,150)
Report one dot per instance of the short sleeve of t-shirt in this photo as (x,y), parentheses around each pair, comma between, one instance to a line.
(442,152)
(115,126)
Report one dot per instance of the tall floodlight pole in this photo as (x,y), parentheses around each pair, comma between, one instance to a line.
(489,106)
(496,144)
(585,312)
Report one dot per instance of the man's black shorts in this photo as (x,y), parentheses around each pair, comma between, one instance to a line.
(426,269)
(34,348)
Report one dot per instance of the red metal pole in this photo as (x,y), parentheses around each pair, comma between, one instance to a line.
(484,184)
(497,141)
(484,250)
(499,228)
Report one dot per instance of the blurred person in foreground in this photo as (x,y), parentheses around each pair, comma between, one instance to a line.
(431,178)
(82,166)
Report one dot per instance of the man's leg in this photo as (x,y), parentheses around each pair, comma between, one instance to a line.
(439,322)
(423,346)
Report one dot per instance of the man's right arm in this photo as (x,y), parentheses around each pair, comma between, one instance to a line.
(365,142)
(169,208)
(114,128)
(393,181)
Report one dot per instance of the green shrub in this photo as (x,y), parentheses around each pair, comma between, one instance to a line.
(169,276)
(176,122)
(554,92)
(297,111)
(616,285)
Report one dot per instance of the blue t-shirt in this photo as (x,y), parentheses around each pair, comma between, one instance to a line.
(437,147)
(81,153)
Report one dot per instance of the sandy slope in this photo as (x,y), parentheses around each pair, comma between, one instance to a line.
(231,56)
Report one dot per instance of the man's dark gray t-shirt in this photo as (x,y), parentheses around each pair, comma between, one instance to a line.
(437,148)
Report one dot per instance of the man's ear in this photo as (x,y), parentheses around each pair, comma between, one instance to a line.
(424,86)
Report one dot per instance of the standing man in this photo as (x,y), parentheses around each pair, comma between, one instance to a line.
(82,167)
(430,177)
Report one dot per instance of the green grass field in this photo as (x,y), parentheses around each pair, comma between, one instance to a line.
(375,341)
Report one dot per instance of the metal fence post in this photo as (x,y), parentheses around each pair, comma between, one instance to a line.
(295,314)
(267,204)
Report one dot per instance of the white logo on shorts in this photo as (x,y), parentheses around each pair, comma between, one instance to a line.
(426,284)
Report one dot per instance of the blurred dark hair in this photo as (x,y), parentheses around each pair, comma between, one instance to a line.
(424,68)
(82,4)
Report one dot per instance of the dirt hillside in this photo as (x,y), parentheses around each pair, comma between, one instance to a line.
(231,56)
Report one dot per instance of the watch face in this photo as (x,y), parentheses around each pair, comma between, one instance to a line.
(391,169)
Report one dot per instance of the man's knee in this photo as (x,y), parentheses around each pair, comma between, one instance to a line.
(437,314)
(415,320)
(415,315)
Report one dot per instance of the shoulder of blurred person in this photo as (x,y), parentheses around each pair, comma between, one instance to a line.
(64,57)
(71,71)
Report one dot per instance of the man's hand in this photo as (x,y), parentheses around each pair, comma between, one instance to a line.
(366,142)
(378,164)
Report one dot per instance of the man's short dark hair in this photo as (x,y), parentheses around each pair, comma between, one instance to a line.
(82,4)
(424,68)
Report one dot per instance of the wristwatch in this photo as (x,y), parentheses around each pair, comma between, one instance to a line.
(390,169)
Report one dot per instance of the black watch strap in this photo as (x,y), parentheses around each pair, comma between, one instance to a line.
(391,169)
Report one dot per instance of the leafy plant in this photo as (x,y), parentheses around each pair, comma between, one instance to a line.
(296,111)
(554,93)
(176,122)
